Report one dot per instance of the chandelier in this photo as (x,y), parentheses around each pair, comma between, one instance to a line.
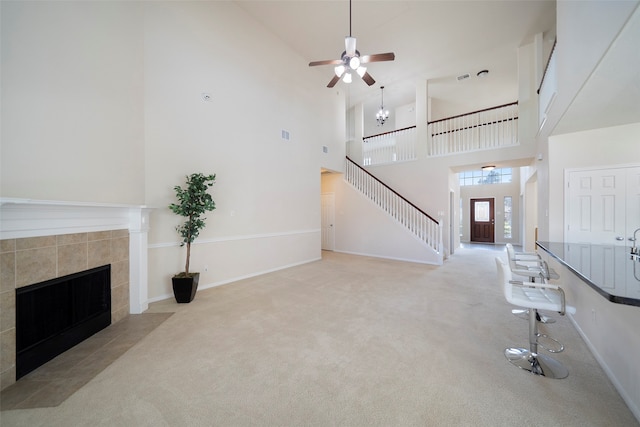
(382,115)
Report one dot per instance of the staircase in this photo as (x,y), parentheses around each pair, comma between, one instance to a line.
(420,224)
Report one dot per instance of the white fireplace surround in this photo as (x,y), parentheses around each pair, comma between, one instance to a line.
(21,218)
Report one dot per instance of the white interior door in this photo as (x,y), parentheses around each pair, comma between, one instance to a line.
(596,206)
(327,220)
(633,202)
(603,205)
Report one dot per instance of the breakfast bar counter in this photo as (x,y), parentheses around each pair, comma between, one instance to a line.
(609,270)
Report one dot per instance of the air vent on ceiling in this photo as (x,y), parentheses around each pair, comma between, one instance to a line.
(463,77)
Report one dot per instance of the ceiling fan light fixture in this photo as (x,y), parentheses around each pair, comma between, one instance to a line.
(350,60)
(354,63)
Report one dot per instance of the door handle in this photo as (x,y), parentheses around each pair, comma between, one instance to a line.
(619,239)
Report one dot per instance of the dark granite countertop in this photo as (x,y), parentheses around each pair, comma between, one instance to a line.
(608,269)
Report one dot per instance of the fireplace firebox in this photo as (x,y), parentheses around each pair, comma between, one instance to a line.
(53,316)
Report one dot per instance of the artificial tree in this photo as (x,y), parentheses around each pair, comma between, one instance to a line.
(193,202)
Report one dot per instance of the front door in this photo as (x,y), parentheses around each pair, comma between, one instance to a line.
(482,221)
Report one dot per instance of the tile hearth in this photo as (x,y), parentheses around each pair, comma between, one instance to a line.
(52,383)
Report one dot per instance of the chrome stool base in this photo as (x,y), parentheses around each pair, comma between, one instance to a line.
(559,348)
(537,364)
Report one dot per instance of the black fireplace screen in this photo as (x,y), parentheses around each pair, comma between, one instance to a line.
(53,316)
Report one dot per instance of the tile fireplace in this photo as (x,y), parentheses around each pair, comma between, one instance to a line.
(44,241)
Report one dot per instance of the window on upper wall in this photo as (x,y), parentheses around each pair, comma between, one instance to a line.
(507,217)
(481,177)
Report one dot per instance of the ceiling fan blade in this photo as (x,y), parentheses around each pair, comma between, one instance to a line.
(378,57)
(333,81)
(326,62)
(368,79)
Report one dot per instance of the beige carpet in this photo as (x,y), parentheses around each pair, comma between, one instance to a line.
(346,341)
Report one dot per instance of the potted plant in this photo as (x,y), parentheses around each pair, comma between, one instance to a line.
(193,202)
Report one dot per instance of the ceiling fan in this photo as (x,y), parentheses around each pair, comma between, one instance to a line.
(350,61)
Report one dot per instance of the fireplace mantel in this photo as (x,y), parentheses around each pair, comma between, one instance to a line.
(21,218)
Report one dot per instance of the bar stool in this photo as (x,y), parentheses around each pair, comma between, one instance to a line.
(523,256)
(534,296)
(531,265)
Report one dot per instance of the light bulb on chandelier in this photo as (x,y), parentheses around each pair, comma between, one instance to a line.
(382,115)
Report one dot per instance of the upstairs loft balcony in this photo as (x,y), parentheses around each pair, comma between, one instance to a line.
(487,129)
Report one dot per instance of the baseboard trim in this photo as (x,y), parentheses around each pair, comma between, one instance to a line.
(202,287)
(418,261)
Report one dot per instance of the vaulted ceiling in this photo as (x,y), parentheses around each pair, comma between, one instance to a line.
(432,40)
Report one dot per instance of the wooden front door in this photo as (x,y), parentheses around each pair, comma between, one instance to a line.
(482,221)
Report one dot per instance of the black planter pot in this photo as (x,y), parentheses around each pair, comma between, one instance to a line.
(184,288)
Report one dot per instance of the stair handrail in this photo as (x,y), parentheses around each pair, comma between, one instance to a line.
(546,67)
(393,191)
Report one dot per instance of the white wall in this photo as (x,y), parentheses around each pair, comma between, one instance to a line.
(72,101)
(267,189)
(102,103)
(585,30)
(405,115)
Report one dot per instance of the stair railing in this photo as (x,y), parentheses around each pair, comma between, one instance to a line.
(421,224)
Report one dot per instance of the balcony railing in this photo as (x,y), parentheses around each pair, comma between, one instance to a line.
(389,147)
(481,130)
(423,226)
